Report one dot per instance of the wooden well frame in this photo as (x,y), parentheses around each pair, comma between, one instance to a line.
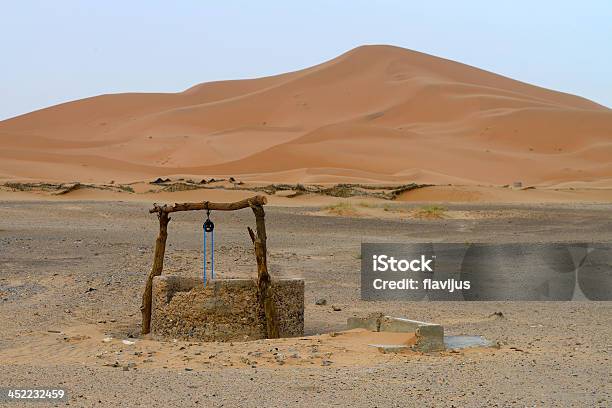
(258,238)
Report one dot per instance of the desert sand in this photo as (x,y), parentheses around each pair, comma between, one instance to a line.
(72,273)
(374,114)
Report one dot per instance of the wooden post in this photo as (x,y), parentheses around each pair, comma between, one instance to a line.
(264,283)
(156,270)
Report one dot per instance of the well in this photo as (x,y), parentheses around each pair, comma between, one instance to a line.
(224,310)
(195,302)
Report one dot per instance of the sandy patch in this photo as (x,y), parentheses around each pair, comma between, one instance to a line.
(92,345)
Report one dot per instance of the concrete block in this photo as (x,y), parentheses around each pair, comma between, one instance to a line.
(429,337)
(371,322)
(399,325)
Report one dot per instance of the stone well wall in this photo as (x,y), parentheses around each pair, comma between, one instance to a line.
(224,310)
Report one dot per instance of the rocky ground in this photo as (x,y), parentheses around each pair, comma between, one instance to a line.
(72,273)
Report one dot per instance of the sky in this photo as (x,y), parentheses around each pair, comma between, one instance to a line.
(56,51)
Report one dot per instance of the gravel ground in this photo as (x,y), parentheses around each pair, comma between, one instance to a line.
(65,264)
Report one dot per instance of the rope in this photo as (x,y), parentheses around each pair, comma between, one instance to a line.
(212,255)
(205,257)
(207,227)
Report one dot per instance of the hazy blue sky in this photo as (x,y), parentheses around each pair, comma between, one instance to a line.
(56,51)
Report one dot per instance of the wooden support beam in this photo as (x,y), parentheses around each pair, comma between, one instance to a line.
(264,282)
(258,200)
(156,270)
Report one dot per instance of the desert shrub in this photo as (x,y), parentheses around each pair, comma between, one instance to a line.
(430,211)
(341,208)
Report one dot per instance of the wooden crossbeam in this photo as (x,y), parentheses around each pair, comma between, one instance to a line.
(207,205)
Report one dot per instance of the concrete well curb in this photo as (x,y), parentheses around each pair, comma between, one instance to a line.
(224,310)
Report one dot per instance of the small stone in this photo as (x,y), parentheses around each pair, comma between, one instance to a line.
(336,308)
(188,369)
(321,302)
(326,363)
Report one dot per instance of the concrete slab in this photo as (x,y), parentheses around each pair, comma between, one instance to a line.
(463,342)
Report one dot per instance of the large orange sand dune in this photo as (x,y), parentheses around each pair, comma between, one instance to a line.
(374,114)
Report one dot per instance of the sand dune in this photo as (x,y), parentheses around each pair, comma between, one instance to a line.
(374,114)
